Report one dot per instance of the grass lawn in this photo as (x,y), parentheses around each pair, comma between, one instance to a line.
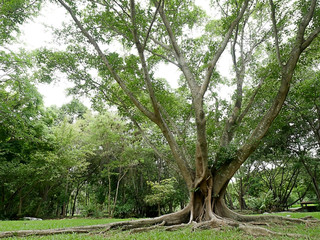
(311,232)
(55,223)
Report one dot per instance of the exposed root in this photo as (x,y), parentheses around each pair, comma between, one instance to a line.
(227,213)
(208,225)
(273,219)
(215,223)
(247,228)
(145,229)
(176,227)
(311,219)
(169,219)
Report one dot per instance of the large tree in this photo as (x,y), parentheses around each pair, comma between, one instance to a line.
(125,41)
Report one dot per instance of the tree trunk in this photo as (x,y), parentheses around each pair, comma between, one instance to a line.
(20,203)
(74,201)
(109,192)
(2,201)
(313,178)
(65,202)
(117,191)
(57,210)
(159,210)
(87,196)
(228,199)
(242,202)
(43,199)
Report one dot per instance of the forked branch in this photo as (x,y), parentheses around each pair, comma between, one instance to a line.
(140,50)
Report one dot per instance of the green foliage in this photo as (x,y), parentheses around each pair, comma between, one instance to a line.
(161,192)
(122,210)
(225,155)
(265,202)
(91,210)
(12,14)
(72,111)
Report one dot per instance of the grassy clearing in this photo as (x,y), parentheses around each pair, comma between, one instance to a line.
(311,232)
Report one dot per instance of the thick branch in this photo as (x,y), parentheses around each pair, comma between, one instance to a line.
(235,118)
(197,100)
(143,62)
(312,36)
(275,32)
(178,155)
(194,88)
(144,135)
(150,27)
(246,110)
(306,20)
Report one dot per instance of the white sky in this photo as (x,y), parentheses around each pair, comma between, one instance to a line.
(35,34)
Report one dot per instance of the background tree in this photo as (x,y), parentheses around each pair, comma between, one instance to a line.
(23,126)
(161,193)
(298,125)
(304,110)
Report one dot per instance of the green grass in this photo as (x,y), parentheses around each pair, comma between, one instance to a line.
(51,224)
(312,232)
(296,206)
(299,214)
(185,233)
